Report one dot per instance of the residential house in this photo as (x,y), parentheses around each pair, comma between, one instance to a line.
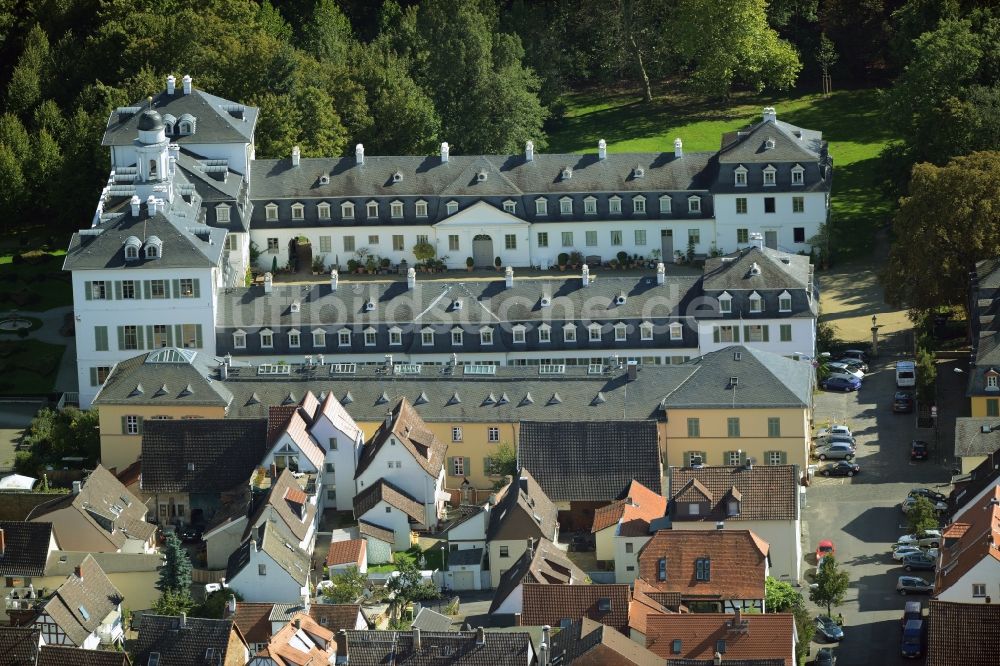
(24,552)
(165,640)
(978,482)
(100,515)
(258,622)
(542,563)
(583,465)
(741,403)
(189,467)
(975,440)
(390,507)
(761,498)
(64,655)
(523,515)
(983,388)
(458,648)
(429,620)
(379,542)
(964,632)
(648,602)
(463,569)
(289,444)
(344,555)
(301,641)
(765,638)
(621,529)
(405,453)
(559,605)
(20,645)
(586,642)
(334,429)
(713,571)
(84,611)
(269,567)
(969,566)
(134,575)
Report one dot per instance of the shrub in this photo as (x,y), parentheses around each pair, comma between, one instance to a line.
(622,258)
(470,262)
(563,258)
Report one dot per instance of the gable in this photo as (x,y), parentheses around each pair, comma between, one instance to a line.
(481,214)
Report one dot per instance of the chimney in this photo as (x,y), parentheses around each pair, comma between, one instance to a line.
(586,275)
(416,639)
(444,151)
(334,277)
(770,115)
(3,543)
(661,273)
(602,150)
(223,371)
(187,84)
(171,84)
(678,147)
(320,359)
(546,634)
(268,282)
(508,277)
(411,278)
(136,203)
(529,151)
(359,154)
(77,486)
(253,545)
(231,605)
(480,636)
(988,600)
(297,623)
(737,617)
(522,483)
(296,153)
(78,572)
(632,371)
(543,654)
(182,622)
(719,525)
(151,205)
(717,659)
(531,549)
(341,641)
(388,420)
(749,463)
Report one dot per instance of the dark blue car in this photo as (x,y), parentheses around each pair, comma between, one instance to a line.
(841,384)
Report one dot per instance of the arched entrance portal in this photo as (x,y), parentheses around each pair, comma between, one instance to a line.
(482,251)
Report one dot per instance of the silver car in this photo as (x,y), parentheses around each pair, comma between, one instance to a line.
(837,451)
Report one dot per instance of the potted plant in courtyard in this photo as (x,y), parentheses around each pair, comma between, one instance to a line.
(622,258)
(563,260)
(469,264)
(424,252)
(497,263)
(575,259)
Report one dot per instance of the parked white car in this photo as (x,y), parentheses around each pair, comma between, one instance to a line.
(838,368)
(929,538)
(907,504)
(902,551)
(836,429)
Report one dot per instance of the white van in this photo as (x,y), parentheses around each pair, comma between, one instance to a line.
(906,374)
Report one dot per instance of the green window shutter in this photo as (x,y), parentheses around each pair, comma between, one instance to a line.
(704,456)
(766,330)
(179,335)
(101,338)
(687,458)
(149,337)
(197,336)
(486,465)
(743,454)
(736,334)
(451,466)
(196,289)
(170,336)
(177,288)
(88,289)
(121,337)
(124,425)
(139,419)
(715,334)
(138,338)
(137,289)
(746,333)
(147,291)
(726,455)
(118,290)
(166,289)
(467,466)
(784,457)
(93,376)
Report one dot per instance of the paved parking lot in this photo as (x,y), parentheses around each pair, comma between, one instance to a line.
(862,517)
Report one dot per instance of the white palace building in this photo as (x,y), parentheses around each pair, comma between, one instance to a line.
(187,205)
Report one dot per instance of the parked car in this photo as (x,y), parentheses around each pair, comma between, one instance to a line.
(901,551)
(912,610)
(834,373)
(907,504)
(928,538)
(840,468)
(919,562)
(918,450)
(835,429)
(824,548)
(856,354)
(838,368)
(902,402)
(838,451)
(906,374)
(191,534)
(912,643)
(825,657)
(853,363)
(841,384)
(828,628)
(932,495)
(826,440)
(913,585)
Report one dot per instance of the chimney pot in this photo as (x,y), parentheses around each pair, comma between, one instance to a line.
(480,636)
(586,275)
(602,150)
(187,84)
(416,639)
(508,276)
(661,273)
(341,640)
(444,151)
(717,659)
(678,147)
(268,282)
(770,115)
(296,155)
(297,623)
(171,84)
(77,487)
(359,154)
(183,620)
(411,278)
(136,204)
(529,151)
(388,420)
(334,278)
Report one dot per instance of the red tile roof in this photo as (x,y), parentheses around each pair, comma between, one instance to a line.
(737,563)
(963,633)
(550,604)
(979,540)
(642,606)
(413,434)
(252,621)
(303,644)
(345,552)
(636,511)
(767,636)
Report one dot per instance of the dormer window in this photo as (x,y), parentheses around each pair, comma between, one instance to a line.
(590,206)
(725,303)
(518,334)
(544,333)
(294,338)
(132,245)
(541,206)
(420,208)
(456,336)
(615,205)
(756,302)
(567,173)
(486,335)
(186,124)
(694,204)
(569,333)
(323,211)
(298,211)
(239,339)
(324,179)
(740,176)
(594,331)
(769,175)
(566,206)
(154,247)
(666,204)
(638,172)
(733,508)
(621,332)
(639,204)
(371,208)
(769,144)
(646,330)
(271,212)
(798,175)
(991,380)
(427,336)
(266,338)
(222,213)
(784,302)
(396,209)
(347,210)
(451,207)
(509,206)
(676,331)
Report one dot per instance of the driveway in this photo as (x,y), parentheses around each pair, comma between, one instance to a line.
(862,517)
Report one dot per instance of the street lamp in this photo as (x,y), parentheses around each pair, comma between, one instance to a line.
(875,335)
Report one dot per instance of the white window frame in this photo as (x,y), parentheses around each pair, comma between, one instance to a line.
(740,176)
(493,434)
(784,302)
(396,209)
(371,337)
(589,236)
(266,339)
(456,434)
(544,334)
(541,206)
(615,236)
(395,336)
(510,206)
(271,212)
(756,303)
(451,207)
(639,237)
(725,303)
(569,333)
(666,204)
(615,205)
(646,330)
(621,332)
(518,334)
(341,335)
(590,206)
(371,209)
(639,205)
(347,210)
(294,339)
(131,424)
(424,333)
(800,203)
(593,329)
(458,466)
(298,211)
(319,338)
(323,210)
(486,335)
(744,203)
(457,337)
(694,204)
(566,206)
(676,331)
(239,339)
(420,208)
(798,175)
(770,176)
(222,213)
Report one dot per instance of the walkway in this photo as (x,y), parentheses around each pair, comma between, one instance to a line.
(50,333)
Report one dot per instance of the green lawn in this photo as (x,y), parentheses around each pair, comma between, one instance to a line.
(849,119)
(34,286)
(28,367)
(432,560)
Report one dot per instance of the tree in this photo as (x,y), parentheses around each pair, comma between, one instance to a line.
(424,251)
(175,574)
(346,587)
(780,596)
(826,57)
(922,516)
(503,461)
(949,221)
(926,377)
(173,602)
(831,584)
(408,586)
(329,36)
(214,605)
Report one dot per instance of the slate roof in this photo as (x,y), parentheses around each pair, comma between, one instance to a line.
(544,564)
(106,506)
(963,632)
(636,511)
(768,636)
(392,495)
(411,432)
(429,620)
(224,453)
(522,511)
(976,540)
(791,144)
(971,441)
(19,645)
(587,639)
(776,271)
(765,379)
(345,552)
(61,655)
(590,460)
(285,554)
(181,646)
(164,376)
(215,123)
(738,561)
(81,603)
(26,548)
(465,557)
(460,648)
(550,604)
(766,492)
